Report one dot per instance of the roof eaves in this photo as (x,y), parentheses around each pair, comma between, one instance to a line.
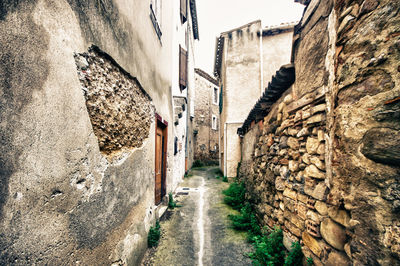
(195,25)
(281,81)
(206,76)
(219,46)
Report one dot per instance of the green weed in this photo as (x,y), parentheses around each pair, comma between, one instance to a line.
(171,202)
(225,179)
(154,235)
(234,195)
(268,249)
(198,163)
(295,256)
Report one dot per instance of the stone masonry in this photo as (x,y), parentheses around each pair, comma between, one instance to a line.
(206,109)
(325,161)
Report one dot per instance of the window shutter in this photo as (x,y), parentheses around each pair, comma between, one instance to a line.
(183,11)
(182,68)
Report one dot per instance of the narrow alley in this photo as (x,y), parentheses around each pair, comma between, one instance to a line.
(198,232)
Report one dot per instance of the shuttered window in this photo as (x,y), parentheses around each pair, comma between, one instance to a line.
(183,11)
(182,68)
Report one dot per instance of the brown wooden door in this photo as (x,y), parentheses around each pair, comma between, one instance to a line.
(159,165)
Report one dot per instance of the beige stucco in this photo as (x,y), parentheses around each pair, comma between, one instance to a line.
(249,59)
(45,218)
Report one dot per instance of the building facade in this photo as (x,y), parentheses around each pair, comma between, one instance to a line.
(259,53)
(183,84)
(87,127)
(206,122)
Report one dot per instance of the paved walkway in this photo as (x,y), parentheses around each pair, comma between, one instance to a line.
(198,233)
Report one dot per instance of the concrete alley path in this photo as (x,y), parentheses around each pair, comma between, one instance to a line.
(198,232)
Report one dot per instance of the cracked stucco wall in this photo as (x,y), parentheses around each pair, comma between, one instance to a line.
(64,199)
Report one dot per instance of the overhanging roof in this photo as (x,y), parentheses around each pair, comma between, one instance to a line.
(219,47)
(206,76)
(195,24)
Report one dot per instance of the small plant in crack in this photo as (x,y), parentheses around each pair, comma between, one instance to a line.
(154,235)
(171,202)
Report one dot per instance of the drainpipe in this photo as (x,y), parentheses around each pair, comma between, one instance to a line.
(225,141)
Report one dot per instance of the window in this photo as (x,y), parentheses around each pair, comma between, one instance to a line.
(214,122)
(155,15)
(182,68)
(183,11)
(215,96)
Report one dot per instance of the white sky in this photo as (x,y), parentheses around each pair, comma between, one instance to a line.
(216,16)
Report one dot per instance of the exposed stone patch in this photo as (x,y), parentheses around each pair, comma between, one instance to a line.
(382,145)
(120,111)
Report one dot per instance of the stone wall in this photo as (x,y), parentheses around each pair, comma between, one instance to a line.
(206,139)
(325,166)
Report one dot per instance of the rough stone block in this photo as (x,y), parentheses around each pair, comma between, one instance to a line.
(382,145)
(292,228)
(280,184)
(303,132)
(333,233)
(317,162)
(314,172)
(306,158)
(319,108)
(288,240)
(302,210)
(340,216)
(318,191)
(321,149)
(312,145)
(295,155)
(312,244)
(302,198)
(292,131)
(313,216)
(321,207)
(316,119)
(290,194)
(336,258)
(293,143)
(293,166)
(321,135)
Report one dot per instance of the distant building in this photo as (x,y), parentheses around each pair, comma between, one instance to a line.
(206,121)
(245,60)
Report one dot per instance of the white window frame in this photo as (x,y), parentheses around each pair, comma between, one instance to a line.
(214,125)
(215,99)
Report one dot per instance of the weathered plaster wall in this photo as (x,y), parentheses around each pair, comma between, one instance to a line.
(241,55)
(325,167)
(246,70)
(276,52)
(207,137)
(61,200)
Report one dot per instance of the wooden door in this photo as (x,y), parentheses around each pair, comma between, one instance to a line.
(159,165)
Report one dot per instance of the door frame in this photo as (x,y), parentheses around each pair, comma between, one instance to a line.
(163,125)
